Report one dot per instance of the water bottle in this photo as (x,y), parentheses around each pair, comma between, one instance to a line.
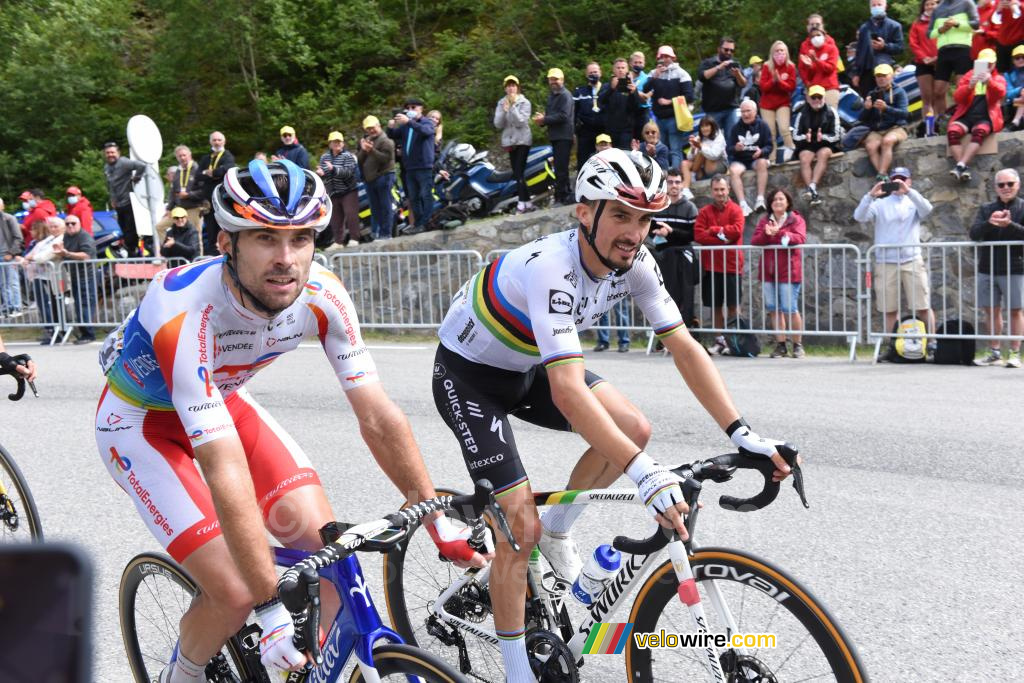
(929,123)
(600,568)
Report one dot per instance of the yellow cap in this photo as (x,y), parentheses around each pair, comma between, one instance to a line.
(603,137)
(883,70)
(1019,50)
(335,135)
(988,55)
(756,60)
(371,121)
(287,129)
(555,72)
(178,212)
(512,78)
(816,90)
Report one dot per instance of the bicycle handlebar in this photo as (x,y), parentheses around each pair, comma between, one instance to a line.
(9,366)
(299,586)
(721,469)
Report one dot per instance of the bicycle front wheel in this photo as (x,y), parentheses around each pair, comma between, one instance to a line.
(761,599)
(19,519)
(407,663)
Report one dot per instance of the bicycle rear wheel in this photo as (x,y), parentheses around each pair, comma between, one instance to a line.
(19,518)
(762,599)
(154,593)
(404,662)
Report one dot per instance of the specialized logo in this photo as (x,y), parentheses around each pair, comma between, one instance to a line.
(312,287)
(497,428)
(532,256)
(207,379)
(439,371)
(559,302)
(123,464)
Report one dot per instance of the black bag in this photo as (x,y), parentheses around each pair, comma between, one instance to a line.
(955,351)
(910,342)
(742,344)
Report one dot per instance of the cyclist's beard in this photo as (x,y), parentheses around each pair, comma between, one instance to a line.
(270,292)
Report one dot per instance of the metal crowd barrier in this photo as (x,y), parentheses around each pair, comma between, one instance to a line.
(950,273)
(29,295)
(407,289)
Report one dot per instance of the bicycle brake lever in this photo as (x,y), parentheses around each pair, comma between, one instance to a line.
(499,517)
(303,602)
(798,483)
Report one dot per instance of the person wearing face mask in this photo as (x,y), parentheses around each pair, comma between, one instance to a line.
(816,132)
(588,116)
(212,169)
(818,60)
(879,40)
(38,208)
(778,81)
(637,62)
(669,80)
(79,205)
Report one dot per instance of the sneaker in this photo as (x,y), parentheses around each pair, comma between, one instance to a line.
(352,243)
(719,347)
(930,348)
(759,205)
(882,178)
(965,174)
(994,357)
(787,154)
(562,554)
(623,347)
(957,171)
(798,351)
(687,195)
(1013,361)
(745,208)
(601,346)
(780,350)
(815,198)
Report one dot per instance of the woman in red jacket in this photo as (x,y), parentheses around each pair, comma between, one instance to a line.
(979,97)
(781,269)
(818,62)
(778,81)
(925,53)
(79,205)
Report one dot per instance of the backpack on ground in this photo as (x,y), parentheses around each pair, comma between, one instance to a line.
(910,343)
(448,217)
(955,351)
(742,344)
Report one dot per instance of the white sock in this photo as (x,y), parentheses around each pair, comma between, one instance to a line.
(520,206)
(560,518)
(812,187)
(513,651)
(185,670)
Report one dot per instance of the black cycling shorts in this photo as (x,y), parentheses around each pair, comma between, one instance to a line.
(475,401)
(953,59)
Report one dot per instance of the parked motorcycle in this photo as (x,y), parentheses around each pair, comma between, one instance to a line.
(474,182)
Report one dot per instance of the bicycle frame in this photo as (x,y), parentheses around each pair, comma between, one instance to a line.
(615,592)
(356,627)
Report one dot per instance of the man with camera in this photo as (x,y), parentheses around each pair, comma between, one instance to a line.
(621,105)
(897,211)
(413,133)
(879,40)
(722,81)
(880,123)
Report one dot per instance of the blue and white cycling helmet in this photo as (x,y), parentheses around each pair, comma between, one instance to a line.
(278,195)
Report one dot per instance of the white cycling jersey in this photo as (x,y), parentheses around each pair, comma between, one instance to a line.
(190,345)
(527,307)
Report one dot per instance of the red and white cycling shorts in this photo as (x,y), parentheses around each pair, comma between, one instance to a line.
(149,456)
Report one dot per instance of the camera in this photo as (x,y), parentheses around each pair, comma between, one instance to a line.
(623,84)
(890,187)
(395,111)
(732,64)
(877,94)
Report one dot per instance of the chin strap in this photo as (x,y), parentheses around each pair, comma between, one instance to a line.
(591,236)
(254,301)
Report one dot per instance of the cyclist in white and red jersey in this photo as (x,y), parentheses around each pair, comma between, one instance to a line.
(510,346)
(175,404)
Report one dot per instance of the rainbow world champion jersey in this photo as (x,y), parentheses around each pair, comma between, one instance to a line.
(190,344)
(527,307)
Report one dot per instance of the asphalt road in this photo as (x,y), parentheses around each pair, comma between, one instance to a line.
(914,483)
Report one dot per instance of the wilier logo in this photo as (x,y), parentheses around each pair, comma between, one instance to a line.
(559,302)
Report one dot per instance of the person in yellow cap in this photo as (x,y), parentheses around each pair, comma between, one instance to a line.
(603,142)
(1014,107)
(979,100)
(512,118)
(816,134)
(880,123)
(752,90)
(338,169)
(376,157)
(291,149)
(181,240)
(557,118)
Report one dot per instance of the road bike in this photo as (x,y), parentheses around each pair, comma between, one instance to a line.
(19,518)
(696,592)
(155,591)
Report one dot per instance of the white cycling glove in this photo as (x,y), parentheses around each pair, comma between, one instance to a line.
(746,440)
(276,647)
(658,486)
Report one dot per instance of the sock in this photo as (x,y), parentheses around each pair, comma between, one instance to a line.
(560,518)
(183,669)
(812,187)
(520,206)
(513,651)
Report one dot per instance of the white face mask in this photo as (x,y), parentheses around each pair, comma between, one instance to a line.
(72,200)
(27,206)
(818,41)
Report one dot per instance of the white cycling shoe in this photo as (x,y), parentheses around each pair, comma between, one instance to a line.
(562,554)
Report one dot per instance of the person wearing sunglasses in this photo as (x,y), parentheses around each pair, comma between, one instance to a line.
(722,81)
(78,249)
(816,134)
(291,149)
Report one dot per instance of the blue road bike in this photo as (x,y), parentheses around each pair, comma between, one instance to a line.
(155,591)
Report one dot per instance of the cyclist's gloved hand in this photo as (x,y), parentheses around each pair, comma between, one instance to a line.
(453,543)
(659,491)
(276,647)
(750,443)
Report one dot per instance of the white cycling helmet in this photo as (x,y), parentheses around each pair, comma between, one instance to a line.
(632,178)
(276,195)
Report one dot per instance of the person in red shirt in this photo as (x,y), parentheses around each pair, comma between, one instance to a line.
(1007,25)
(778,81)
(818,61)
(925,53)
(782,270)
(979,99)
(720,224)
(39,209)
(79,205)
(987,35)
